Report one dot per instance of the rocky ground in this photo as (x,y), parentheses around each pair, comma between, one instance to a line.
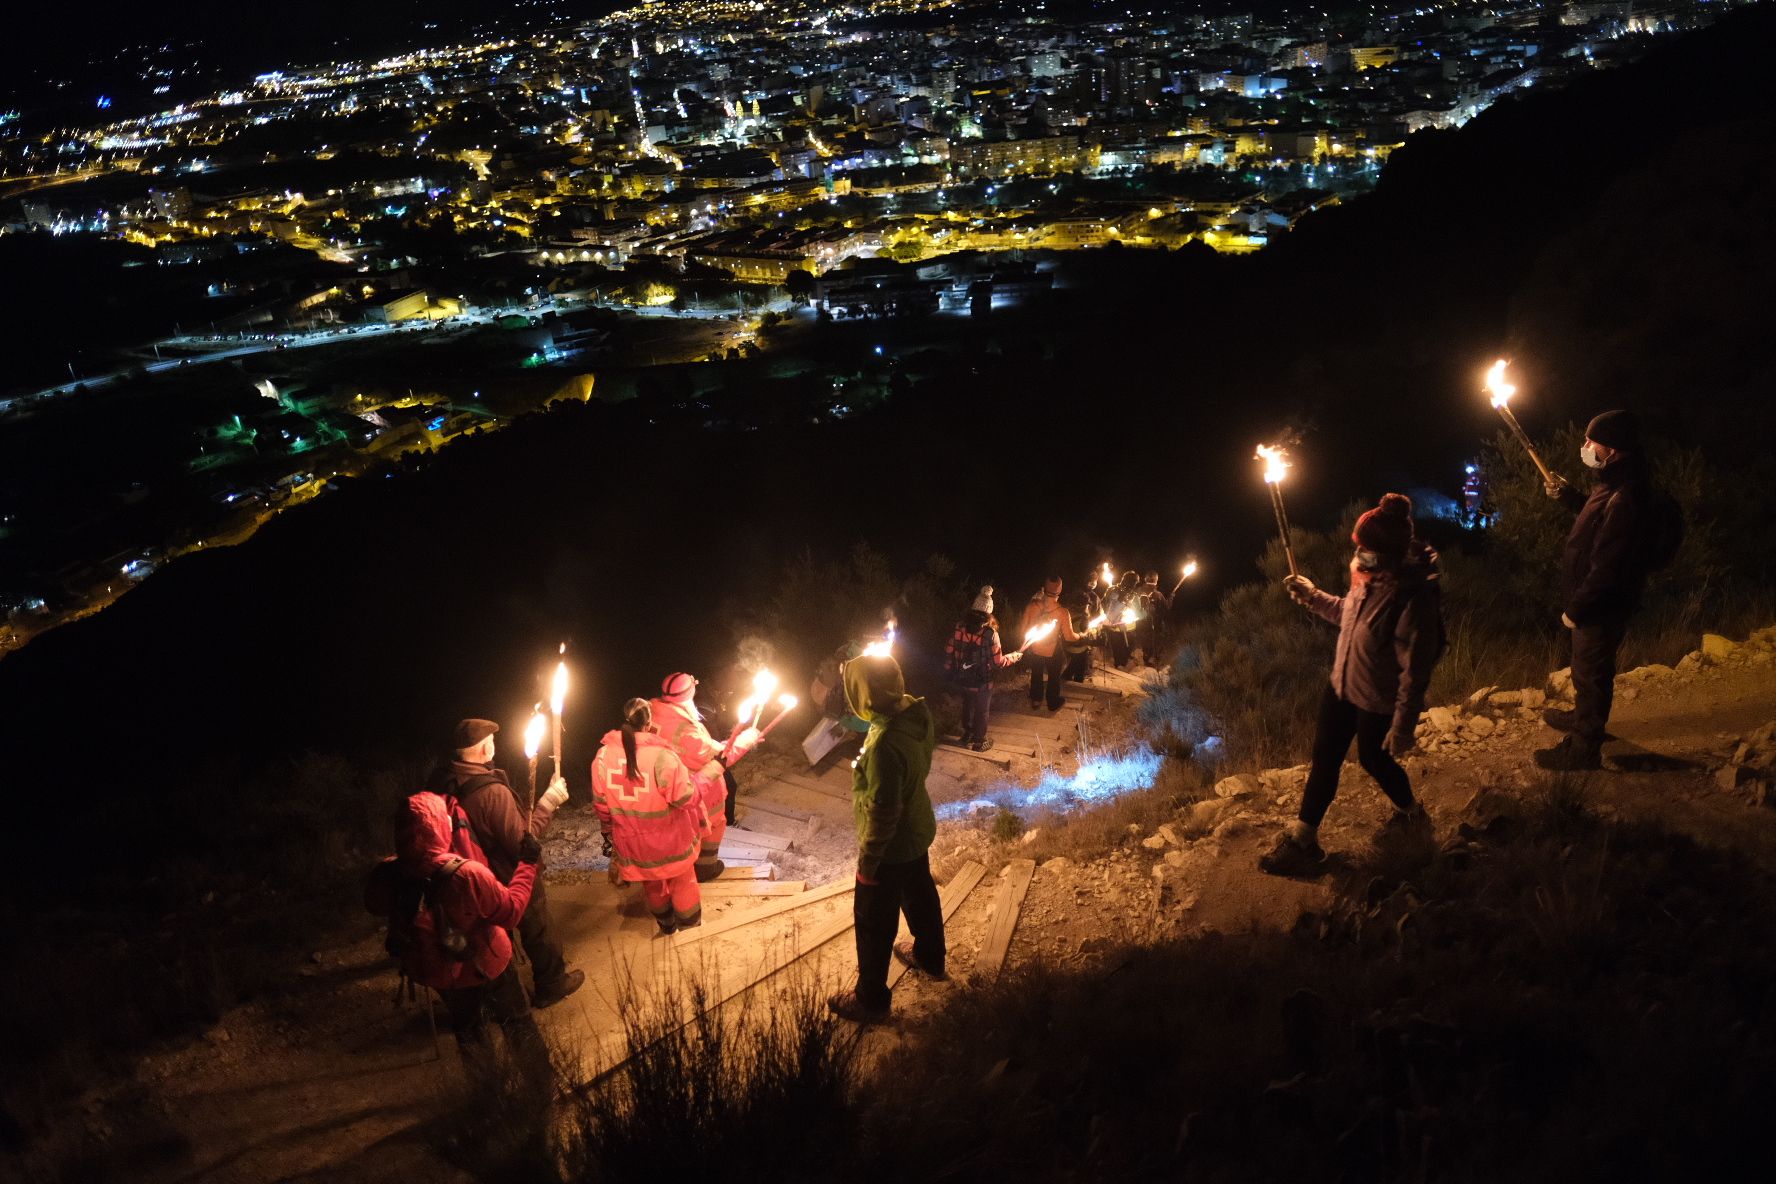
(333,1080)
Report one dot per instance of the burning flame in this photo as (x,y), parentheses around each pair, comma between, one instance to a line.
(787,702)
(764,685)
(881,649)
(1108,577)
(1497,386)
(1130,616)
(745,710)
(1096,621)
(558,688)
(1276,462)
(533,733)
(1189,568)
(1038,632)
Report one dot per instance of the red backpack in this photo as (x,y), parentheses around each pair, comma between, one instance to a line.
(433,841)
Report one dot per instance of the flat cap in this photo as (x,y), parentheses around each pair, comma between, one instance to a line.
(470,732)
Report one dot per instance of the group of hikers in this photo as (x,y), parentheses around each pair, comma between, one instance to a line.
(468,848)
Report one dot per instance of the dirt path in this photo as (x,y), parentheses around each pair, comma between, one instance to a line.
(333,1079)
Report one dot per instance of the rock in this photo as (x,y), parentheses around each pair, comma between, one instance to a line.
(1506,699)
(1441,719)
(1060,865)
(1731,777)
(1238,785)
(1169,833)
(1205,814)
(1479,726)
(1158,871)
(1534,698)
(1560,683)
(1175,858)
(1657,670)
(1717,647)
(1629,693)
(1153,842)
(1030,835)
(1231,828)
(1691,662)
(1479,697)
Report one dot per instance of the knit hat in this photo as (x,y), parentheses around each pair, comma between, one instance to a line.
(984,602)
(1616,429)
(1052,585)
(678,688)
(470,732)
(1387,529)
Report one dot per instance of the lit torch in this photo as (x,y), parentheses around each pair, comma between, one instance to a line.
(1501,391)
(1096,622)
(764,685)
(1129,617)
(1108,577)
(558,700)
(533,743)
(785,705)
(1189,570)
(1038,633)
(1276,465)
(883,648)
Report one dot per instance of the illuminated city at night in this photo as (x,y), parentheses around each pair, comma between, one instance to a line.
(788,589)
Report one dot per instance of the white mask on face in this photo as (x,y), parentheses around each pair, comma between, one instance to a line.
(1588,456)
(1367,560)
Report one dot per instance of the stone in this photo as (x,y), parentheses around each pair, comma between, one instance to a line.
(1231,828)
(1560,683)
(1479,726)
(1657,670)
(1717,647)
(1060,865)
(1479,697)
(1731,777)
(1175,858)
(1441,719)
(1238,785)
(1534,698)
(1030,835)
(1205,814)
(1153,842)
(1505,699)
(1691,662)
(1629,693)
(1169,833)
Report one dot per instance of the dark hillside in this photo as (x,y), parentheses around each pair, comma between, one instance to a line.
(1579,230)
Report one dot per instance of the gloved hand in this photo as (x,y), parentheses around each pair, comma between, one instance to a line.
(747,740)
(606,847)
(1554,486)
(1567,621)
(1399,743)
(1015,656)
(1299,588)
(555,795)
(863,879)
(529,850)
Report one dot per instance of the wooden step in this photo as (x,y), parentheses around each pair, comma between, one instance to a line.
(721,889)
(710,929)
(1007,903)
(764,805)
(746,871)
(746,837)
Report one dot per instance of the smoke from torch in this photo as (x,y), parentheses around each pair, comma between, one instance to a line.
(1276,467)
(1501,390)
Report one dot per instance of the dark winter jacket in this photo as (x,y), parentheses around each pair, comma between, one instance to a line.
(1603,568)
(895,821)
(973,654)
(1390,634)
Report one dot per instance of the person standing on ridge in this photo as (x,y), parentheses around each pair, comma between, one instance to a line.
(680,724)
(499,822)
(895,827)
(1047,657)
(971,659)
(1390,635)
(652,813)
(1603,571)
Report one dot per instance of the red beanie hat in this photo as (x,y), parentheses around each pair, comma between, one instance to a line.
(678,688)
(1387,529)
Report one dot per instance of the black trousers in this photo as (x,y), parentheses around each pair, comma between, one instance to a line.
(1339,722)
(547,963)
(977,704)
(1119,647)
(1079,665)
(503,1002)
(899,888)
(1594,650)
(1045,677)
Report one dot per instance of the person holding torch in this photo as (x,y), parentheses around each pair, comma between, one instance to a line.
(680,724)
(971,659)
(1390,635)
(651,810)
(1046,625)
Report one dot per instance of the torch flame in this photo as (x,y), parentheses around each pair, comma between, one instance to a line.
(787,702)
(1130,616)
(745,710)
(1038,632)
(1497,385)
(1108,578)
(558,688)
(1276,462)
(1189,568)
(533,733)
(764,685)
(1096,621)
(880,649)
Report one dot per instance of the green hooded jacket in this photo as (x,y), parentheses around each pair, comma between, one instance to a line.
(895,822)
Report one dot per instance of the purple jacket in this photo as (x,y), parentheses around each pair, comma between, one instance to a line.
(1390,635)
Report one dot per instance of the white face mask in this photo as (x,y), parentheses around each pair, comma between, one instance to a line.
(1588,456)
(1367,560)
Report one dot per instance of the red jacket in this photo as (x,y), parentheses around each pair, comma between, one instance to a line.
(655,820)
(682,728)
(433,831)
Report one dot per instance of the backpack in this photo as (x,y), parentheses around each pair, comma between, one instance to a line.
(971,663)
(420,939)
(1663,531)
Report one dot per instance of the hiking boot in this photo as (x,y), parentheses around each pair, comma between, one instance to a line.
(981,745)
(709,869)
(1290,856)
(549,994)
(903,954)
(1561,719)
(667,925)
(847,1006)
(1571,755)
